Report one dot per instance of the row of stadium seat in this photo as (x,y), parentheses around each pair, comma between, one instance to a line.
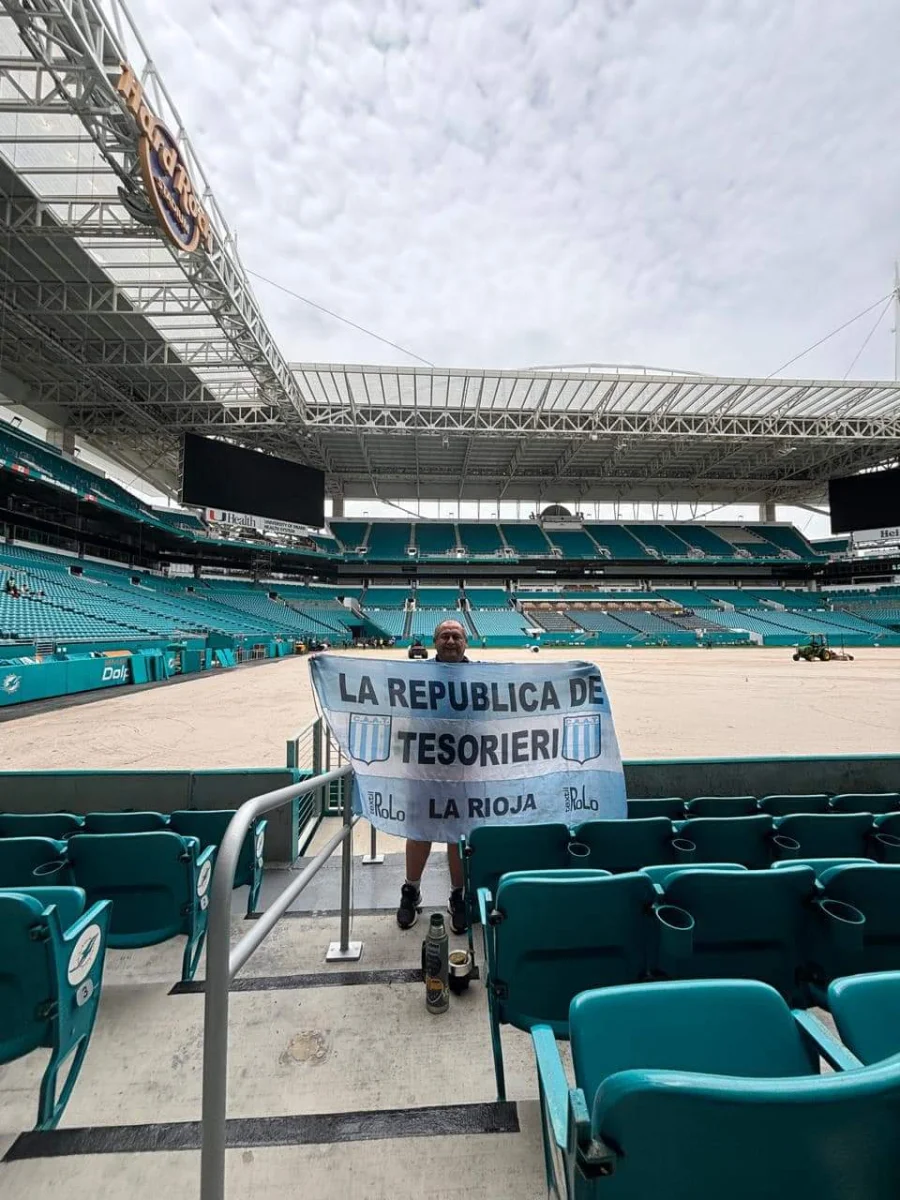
(158,882)
(713,1088)
(676,808)
(65,900)
(549,935)
(618,847)
(31,840)
(392,541)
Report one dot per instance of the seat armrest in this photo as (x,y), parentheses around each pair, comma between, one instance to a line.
(554,1084)
(485,899)
(578,1129)
(484,903)
(820,1037)
(97,914)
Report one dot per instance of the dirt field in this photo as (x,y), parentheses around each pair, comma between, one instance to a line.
(666,703)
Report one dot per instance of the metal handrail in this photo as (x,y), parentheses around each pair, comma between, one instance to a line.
(224,961)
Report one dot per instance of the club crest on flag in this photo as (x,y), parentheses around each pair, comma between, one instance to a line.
(369,737)
(581,738)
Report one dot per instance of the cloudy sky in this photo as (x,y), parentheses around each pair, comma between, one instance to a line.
(708,184)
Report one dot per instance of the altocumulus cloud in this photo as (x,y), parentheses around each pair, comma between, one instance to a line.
(702,183)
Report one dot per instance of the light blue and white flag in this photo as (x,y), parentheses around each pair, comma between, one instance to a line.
(438,748)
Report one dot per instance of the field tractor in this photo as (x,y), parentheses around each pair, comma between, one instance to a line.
(817,648)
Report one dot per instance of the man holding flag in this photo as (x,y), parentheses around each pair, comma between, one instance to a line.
(450,644)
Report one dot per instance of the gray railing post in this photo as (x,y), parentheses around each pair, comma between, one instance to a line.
(345,950)
(373,858)
(223,962)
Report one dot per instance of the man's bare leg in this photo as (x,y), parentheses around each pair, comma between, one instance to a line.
(416,858)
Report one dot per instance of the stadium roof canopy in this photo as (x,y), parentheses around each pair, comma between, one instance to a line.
(110,330)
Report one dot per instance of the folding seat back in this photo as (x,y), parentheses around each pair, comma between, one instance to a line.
(662,874)
(556,937)
(208,827)
(866,802)
(50,974)
(747,925)
(874,891)
(721,806)
(746,840)
(628,845)
(550,936)
(658,806)
(705,1090)
(158,882)
(49,825)
(853,1114)
(829,835)
(782,806)
(821,865)
(494,850)
(31,861)
(717,1027)
(126,821)
(865,1009)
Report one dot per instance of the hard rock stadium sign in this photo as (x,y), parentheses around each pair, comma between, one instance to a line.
(181,216)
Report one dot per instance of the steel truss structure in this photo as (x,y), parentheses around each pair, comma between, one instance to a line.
(114,333)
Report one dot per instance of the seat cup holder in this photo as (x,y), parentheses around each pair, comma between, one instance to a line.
(845,924)
(579,853)
(684,849)
(888,847)
(676,931)
(48,871)
(787,847)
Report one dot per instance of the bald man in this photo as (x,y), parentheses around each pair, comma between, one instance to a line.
(450,644)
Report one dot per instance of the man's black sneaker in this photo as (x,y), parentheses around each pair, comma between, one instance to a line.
(410,906)
(456,907)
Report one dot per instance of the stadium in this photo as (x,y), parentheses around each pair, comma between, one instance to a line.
(204,987)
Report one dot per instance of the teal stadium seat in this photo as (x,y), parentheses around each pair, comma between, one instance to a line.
(707,1090)
(59,825)
(659,806)
(863,802)
(838,835)
(158,882)
(783,806)
(747,840)
(51,967)
(33,862)
(866,1009)
(550,936)
(209,828)
(873,945)
(126,821)
(628,845)
(747,925)
(494,850)
(721,806)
